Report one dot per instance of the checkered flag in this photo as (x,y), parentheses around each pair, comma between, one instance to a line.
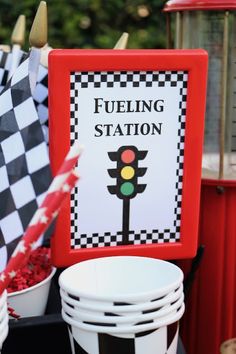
(5,66)
(24,163)
(40,97)
(40,93)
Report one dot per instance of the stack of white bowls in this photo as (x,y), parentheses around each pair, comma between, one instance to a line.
(122,304)
(3,318)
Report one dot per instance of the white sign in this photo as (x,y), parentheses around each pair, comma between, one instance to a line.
(118,110)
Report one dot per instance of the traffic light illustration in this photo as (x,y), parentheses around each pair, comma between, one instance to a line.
(127,173)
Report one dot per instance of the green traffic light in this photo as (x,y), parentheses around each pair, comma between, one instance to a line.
(127,188)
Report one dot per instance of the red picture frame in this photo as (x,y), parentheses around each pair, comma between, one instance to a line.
(194,62)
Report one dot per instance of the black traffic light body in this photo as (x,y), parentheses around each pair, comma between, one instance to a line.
(127,172)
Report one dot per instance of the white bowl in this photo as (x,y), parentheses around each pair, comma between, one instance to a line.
(98,307)
(156,341)
(31,301)
(4,324)
(125,329)
(3,298)
(121,278)
(3,312)
(82,315)
(3,336)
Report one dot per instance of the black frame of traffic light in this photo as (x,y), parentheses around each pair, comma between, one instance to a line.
(61,64)
(124,180)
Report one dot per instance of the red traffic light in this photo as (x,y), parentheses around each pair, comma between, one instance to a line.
(127,156)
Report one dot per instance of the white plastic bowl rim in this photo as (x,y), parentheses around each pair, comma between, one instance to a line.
(68,279)
(15,293)
(93,306)
(126,329)
(4,324)
(3,312)
(3,335)
(3,298)
(131,320)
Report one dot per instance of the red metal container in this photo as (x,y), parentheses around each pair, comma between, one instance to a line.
(185,5)
(210,316)
(210,306)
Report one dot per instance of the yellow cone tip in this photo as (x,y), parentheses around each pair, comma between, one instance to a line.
(39,31)
(18,33)
(122,42)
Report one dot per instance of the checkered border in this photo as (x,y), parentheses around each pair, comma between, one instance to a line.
(111,79)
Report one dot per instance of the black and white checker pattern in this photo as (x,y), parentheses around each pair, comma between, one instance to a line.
(113,79)
(5,66)
(40,97)
(40,94)
(159,341)
(127,78)
(24,163)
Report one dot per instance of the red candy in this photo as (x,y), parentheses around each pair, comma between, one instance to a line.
(38,268)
